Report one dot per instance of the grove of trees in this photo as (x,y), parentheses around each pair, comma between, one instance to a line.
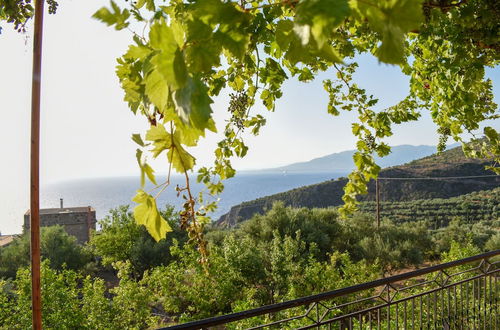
(123,278)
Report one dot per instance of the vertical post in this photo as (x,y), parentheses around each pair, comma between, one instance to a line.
(377,197)
(36,298)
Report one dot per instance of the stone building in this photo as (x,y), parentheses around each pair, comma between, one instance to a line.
(77,221)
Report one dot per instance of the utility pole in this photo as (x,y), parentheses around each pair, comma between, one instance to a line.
(36,297)
(377,198)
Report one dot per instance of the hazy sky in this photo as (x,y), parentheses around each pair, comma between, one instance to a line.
(86,127)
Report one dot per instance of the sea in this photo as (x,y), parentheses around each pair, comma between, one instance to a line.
(104,194)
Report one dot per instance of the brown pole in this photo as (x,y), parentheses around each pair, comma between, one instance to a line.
(36,298)
(377,197)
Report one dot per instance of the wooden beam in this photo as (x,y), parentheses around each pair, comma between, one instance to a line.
(36,297)
(377,197)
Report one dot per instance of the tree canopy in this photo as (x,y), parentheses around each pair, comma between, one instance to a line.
(189,51)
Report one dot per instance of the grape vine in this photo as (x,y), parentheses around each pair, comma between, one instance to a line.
(195,49)
(186,52)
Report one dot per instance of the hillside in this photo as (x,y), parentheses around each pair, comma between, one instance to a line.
(342,161)
(451,163)
(470,208)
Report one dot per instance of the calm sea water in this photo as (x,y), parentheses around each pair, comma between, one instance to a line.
(105,194)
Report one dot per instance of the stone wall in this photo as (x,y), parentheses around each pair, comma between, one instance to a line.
(75,222)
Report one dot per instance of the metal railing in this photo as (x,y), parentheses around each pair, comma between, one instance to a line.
(462,294)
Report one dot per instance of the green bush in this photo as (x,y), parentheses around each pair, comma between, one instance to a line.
(122,239)
(72,302)
(56,246)
(241,274)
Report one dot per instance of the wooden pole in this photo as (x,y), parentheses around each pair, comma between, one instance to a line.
(36,298)
(377,197)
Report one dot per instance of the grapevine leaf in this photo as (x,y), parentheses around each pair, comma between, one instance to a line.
(147,214)
(321,17)
(137,52)
(161,37)
(392,19)
(193,105)
(138,139)
(169,60)
(172,67)
(150,4)
(303,31)
(234,41)
(203,52)
(297,52)
(491,133)
(161,139)
(328,53)
(283,34)
(118,17)
(156,89)
(138,155)
(208,10)
(149,172)
(178,31)
(180,159)
(203,57)
(130,82)
(197,30)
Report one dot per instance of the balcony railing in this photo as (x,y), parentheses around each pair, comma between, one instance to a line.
(462,294)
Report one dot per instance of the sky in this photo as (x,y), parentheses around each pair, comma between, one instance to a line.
(86,126)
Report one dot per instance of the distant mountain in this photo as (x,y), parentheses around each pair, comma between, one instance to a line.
(451,164)
(342,161)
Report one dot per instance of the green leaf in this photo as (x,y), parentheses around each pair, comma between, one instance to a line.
(178,31)
(392,48)
(161,37)
(137,52)
(284,34)
(303,31)
(193,105)
(150,4)
(383,150)
(491,133)
(117,17)
(147,214)
(169,60)
(172,67)
(239,83)
(150,173)
(156,89)
(328,53)
(138,155)
(203,57)
(234,41)
(320,17)
(181,160)
(197,30)
(297,52)
(138,139)
(392,19)
(161,139)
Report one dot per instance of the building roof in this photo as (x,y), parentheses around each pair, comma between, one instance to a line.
(58,210)
(6,239)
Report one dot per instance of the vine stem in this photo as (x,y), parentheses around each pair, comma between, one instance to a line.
(166,183)
(256,81)
(188,185)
